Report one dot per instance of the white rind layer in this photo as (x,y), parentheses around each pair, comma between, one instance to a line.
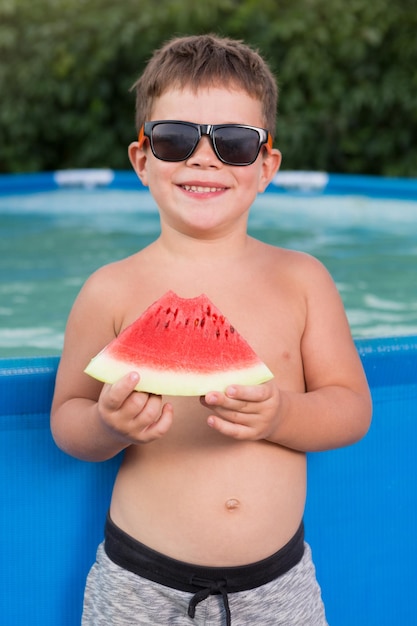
(171,383)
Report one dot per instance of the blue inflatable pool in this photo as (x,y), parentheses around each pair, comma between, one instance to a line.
(361,513)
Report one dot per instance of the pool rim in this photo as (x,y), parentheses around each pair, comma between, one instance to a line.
(285,181)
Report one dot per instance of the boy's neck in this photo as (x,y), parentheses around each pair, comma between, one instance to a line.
(226,246)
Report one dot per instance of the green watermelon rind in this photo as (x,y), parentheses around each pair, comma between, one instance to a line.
(179,383)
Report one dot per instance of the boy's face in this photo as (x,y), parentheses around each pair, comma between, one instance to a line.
(202,195)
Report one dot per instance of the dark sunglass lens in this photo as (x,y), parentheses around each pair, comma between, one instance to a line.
(239,146)
(173,142)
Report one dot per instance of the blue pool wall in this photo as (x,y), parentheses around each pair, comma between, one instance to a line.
(361,513)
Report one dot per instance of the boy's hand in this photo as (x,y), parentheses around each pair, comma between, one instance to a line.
(132,416)
(244,412)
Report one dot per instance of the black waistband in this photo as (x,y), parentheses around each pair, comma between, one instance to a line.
(202,581)
(135,557)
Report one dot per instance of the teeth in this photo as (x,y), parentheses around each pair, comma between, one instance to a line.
(199,189)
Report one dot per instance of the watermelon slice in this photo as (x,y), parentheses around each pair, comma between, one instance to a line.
(180,347)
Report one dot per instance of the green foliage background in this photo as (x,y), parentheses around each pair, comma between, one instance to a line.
(347,73)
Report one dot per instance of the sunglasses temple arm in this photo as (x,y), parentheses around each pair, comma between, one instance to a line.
(142,137)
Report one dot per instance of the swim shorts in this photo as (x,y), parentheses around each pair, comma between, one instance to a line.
(133,585)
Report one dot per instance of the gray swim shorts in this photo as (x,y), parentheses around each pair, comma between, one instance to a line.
(115,596)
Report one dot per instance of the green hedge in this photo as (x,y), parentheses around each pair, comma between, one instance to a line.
(347,73)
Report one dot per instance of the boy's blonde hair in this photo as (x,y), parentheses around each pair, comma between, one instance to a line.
(204,61)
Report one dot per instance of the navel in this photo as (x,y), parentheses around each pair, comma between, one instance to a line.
(232,504)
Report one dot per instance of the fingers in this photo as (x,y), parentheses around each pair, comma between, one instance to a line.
(115,395)
(135,417)
(244,412)
(238,399)
(160,426)
(230,429)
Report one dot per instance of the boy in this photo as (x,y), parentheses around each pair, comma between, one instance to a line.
(205,523)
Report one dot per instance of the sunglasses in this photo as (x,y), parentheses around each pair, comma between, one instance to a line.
(233,144)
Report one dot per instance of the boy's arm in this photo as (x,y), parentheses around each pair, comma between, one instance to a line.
(89,420)
(334,410)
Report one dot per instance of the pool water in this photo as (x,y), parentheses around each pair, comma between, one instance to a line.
(51,241)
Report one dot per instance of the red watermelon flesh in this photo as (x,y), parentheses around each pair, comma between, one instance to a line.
(180,347)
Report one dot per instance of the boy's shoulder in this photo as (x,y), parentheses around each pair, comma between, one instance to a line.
(298,270)
(109,284)
(292,259)
(119,269)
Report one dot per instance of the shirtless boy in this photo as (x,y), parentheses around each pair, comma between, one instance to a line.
(205,522)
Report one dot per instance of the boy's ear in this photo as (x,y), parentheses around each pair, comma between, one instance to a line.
(138,159)
(270,166)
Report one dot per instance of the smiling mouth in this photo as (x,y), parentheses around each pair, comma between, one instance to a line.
(201,189)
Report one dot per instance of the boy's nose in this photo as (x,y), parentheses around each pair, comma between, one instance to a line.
(204,154)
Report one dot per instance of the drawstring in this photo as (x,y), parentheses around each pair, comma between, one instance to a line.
(210,588)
